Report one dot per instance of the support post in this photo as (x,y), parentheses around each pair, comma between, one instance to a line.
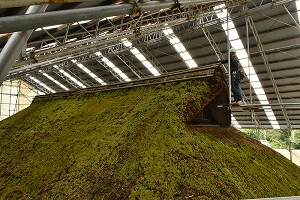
(15,45)
(290,145)
(228,56)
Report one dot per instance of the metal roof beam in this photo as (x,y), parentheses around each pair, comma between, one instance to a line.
(48,57)
(95,42)
(35,85)
(15,45)
(38,20)
(117,76)
(130,65)
(24,3)
(152,59)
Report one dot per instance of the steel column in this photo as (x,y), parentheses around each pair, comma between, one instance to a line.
(15,45)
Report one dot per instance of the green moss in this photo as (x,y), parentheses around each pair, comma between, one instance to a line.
(135,144)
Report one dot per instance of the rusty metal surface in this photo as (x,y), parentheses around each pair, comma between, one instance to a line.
(23,3)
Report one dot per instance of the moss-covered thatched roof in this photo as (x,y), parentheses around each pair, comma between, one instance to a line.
(135,144)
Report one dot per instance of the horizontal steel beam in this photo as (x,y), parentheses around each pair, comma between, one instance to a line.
(25,3)
(15,44)
(38,20)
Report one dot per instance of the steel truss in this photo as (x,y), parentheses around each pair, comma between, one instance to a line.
(36,85)
(110,43)
(269,71)
(188,74)
(117,76)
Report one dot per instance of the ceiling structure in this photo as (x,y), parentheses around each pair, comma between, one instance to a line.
(83,44)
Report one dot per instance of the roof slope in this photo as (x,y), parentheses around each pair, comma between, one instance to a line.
(135,144)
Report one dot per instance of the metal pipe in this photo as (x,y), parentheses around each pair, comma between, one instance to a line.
(51,36)
(248,51)
(15,44)
(228,57)
(38,20)
(296,23)
(290,144)
(25,3)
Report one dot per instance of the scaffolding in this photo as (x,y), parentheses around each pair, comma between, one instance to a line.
(15,96)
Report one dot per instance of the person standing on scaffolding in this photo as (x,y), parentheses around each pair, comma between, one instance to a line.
(235,77)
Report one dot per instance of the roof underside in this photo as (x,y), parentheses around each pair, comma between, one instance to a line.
(275,59)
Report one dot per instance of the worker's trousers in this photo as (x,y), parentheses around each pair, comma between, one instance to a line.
(236,90)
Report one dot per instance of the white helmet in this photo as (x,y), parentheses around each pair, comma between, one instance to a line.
(232,50)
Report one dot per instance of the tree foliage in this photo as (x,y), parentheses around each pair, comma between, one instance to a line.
(276,138)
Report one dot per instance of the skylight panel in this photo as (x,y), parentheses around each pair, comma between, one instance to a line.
(108,18)
(71,40)
(153,71)
(141,57)
(117,70)
(298,8)
(86,70)
(69,76)
(260,91)
(42,84)
(256,84)
(191,63)
(235,123)
(55,81)
(127,43)
(241,54)
(147,64)
(112,66)
(244,62)
(182,48)
(185,56)
(178,46)
(174,41)
(59,25)
(82,22)
(48,27)
(104,59)
(135,51)
(48,46)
